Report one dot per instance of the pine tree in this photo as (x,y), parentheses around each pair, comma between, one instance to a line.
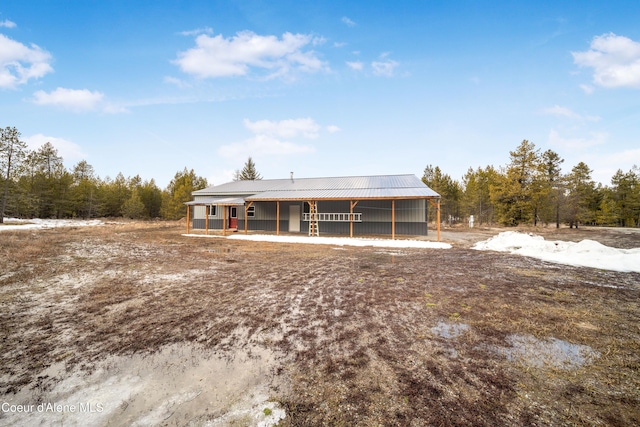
(551,185)
(513,194)
(249,172)
(12,152)
(581,191)
(178,192)
(133,208)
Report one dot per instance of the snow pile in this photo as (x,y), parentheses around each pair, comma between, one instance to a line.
(587,253)
(336,241)
(33,224)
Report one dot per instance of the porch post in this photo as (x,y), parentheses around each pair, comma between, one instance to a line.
(246,217)
(393,219)
(188,219)
(224,221)
(277,217)
(352,205)
(438,217)
(206,219)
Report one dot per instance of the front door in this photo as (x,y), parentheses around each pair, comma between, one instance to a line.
(294,218)
(233,217)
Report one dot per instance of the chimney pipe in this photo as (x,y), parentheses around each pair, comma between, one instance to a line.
(291,176)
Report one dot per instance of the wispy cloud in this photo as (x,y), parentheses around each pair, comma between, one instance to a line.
(615,61)
(20,63)
(196,32)
(7,24)
(273,138)
(72,99)
(356,65)
(559,111)
(348,22)
(594,138)
(384,68)
(587,89)
(245,52)
(177,82)
(290,128)
(70,151)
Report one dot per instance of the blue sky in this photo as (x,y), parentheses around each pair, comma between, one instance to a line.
(321,88)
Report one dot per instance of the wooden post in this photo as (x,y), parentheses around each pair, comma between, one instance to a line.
(278,218)
(206,219)
(224,220)
(351,206)
(437,206)
(188,219)
(438,215)
(393,219)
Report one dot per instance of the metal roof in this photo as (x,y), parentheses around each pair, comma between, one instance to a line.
(330,188)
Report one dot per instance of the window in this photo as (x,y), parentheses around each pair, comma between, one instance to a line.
(251,211)
(211,210)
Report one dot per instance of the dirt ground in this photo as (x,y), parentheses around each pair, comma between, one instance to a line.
(135,324)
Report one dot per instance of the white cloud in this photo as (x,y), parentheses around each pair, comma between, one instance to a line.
(175,81)
(587,89)
(268,138)
(348,22)
(559,111)
(261,146)
(595,138)
(384,68)
(73,99)
(355,65)
(7,24)
(70,152)
(615,61)
(290,128)
(238,55)
(221,176)
(20,63)
(196,32)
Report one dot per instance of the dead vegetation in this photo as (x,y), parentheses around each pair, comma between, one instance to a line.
(354,328)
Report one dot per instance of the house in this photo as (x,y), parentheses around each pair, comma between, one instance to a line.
(382,204)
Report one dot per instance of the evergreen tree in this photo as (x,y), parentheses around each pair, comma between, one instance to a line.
(151,197)
(477,194)
(248,173)
(450,193)
(581,191)
(551,186)
(12,152)
(133,208)
(179,191)
(513,194)
(84,190)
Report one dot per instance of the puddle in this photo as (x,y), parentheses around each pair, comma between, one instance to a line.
(180,385)
(551,352)
(449,330)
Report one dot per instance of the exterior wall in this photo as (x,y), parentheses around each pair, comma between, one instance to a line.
(410,217)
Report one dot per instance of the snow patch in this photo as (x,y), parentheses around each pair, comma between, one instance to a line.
(587,253)
(38,224)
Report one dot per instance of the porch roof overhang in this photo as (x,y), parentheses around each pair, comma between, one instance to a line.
(217,201)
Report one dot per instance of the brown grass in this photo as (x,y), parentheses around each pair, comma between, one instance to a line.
(353,327)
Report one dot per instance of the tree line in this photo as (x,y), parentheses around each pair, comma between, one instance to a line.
(532,189)
(35,184)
